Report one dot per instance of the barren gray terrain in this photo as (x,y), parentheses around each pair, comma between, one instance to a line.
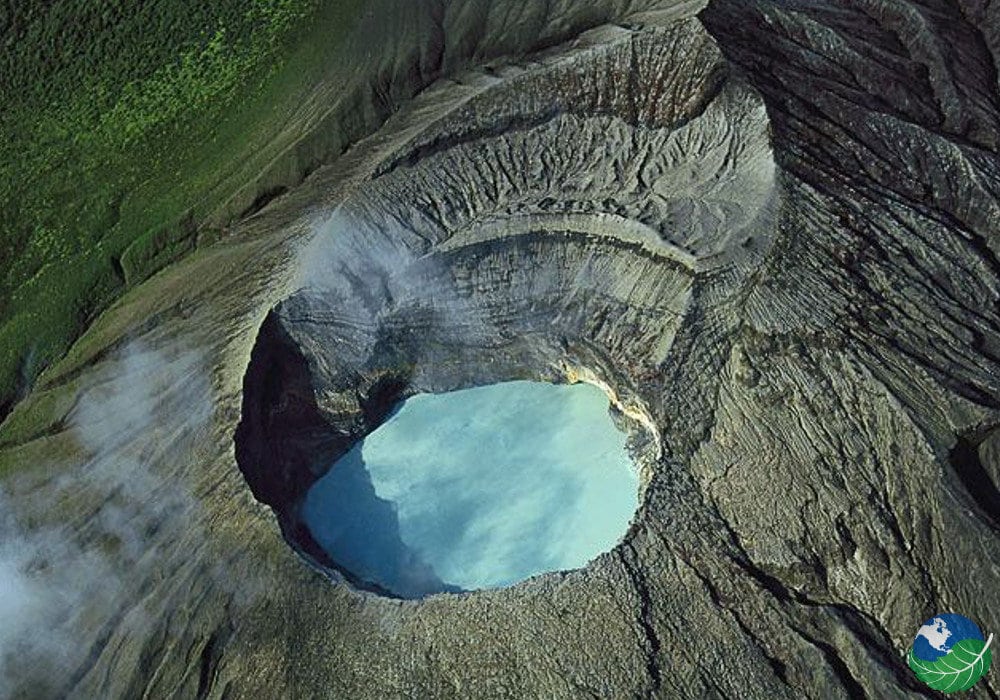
(770,229)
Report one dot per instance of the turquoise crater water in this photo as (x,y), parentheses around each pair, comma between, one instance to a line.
(478,488)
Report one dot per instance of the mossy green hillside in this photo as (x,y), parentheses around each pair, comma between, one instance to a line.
(124,125)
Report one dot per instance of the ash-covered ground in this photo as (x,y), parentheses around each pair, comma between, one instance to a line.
(768,229)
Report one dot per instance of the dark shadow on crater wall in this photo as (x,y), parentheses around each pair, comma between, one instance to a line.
(360,531)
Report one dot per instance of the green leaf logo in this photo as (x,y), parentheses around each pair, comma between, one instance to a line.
(959,669)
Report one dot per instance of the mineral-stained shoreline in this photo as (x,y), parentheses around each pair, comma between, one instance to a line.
(771,229)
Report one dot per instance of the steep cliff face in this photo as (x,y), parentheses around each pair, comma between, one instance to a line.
(771,229)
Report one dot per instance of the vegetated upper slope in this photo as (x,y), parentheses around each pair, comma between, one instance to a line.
(788,245)
(124,125)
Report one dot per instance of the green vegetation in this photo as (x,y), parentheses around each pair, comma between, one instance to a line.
(123,126)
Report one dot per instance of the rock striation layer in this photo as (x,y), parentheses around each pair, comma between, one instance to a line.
(770,229)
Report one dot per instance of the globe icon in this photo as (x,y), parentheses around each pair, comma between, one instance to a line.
(949,653)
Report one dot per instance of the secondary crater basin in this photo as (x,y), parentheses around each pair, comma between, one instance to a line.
(477,488)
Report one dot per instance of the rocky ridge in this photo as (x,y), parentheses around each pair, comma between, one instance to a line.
(771,228)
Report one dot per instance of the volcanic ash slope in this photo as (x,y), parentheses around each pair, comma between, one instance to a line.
(770,229)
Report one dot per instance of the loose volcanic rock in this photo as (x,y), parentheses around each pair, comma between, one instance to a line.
(770,230)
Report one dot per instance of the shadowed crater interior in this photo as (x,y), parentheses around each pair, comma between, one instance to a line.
(388,423)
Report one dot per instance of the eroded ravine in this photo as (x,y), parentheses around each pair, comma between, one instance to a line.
(728,230)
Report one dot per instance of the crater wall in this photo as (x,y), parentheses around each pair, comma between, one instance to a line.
(769,228)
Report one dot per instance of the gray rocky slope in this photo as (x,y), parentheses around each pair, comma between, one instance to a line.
(770,229)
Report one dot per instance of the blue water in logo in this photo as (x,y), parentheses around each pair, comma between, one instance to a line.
(936,636)
(479,488)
